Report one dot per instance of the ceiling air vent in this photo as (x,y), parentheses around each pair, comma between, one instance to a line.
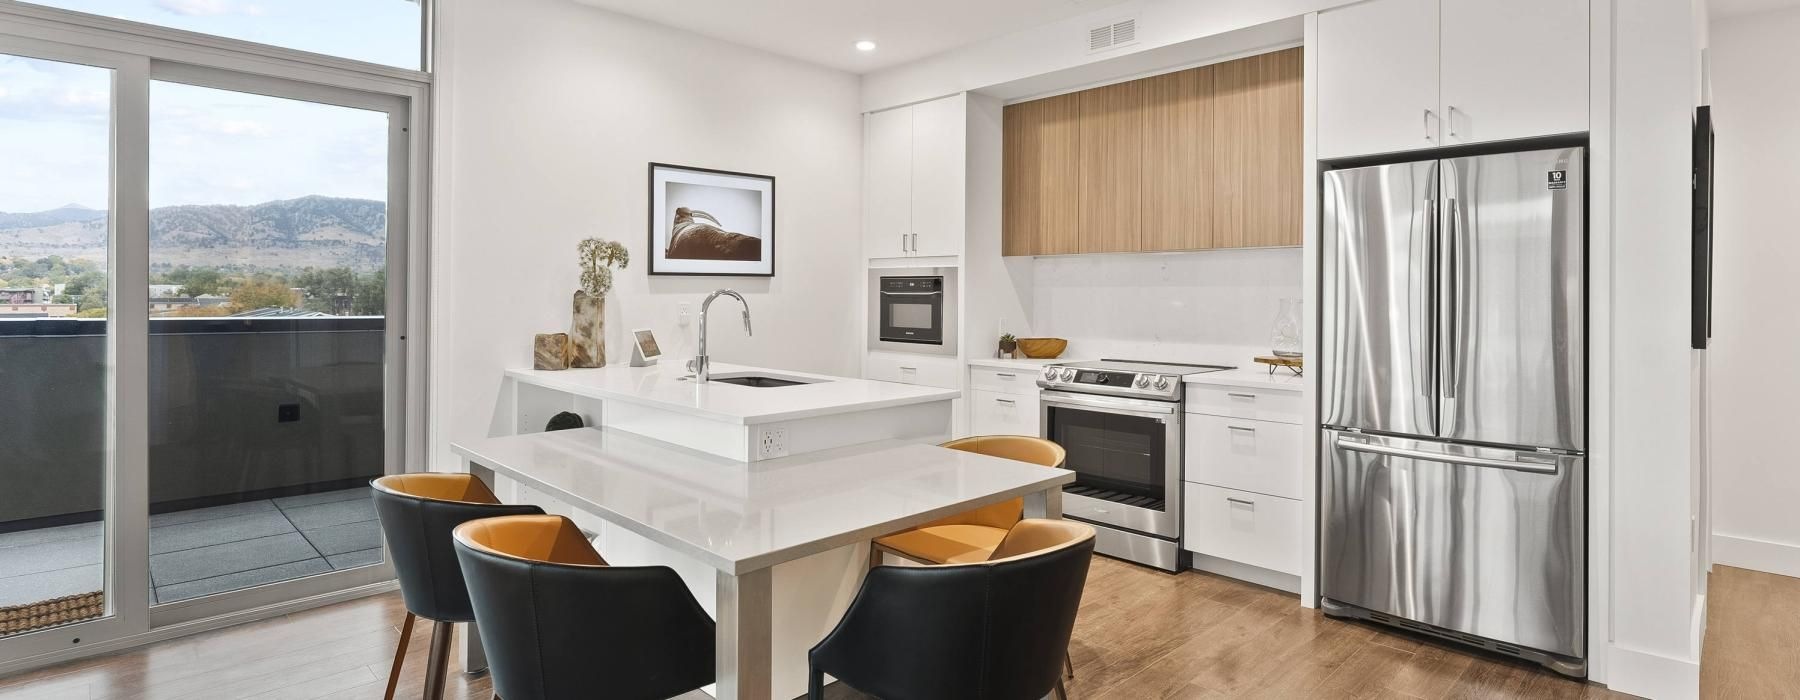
(1112,35)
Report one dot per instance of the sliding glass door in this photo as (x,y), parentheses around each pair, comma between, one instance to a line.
(203,310)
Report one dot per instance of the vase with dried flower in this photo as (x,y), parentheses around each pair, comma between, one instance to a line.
(587,330)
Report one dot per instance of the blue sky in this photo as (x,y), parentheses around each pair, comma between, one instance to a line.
(207,146)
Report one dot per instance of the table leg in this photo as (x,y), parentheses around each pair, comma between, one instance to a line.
(469,651)
(1044,504)
(745,606)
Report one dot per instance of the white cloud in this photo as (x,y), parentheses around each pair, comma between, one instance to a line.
(197,8)
(238,127)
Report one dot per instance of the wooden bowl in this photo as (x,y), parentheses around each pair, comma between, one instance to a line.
(1042,348)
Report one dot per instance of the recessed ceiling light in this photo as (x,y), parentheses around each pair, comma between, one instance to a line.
(865,45)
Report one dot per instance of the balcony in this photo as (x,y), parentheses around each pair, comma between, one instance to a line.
(264,433)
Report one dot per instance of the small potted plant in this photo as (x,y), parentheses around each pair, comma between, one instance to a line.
(1008,344)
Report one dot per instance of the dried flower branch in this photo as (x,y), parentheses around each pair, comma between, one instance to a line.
(597,258)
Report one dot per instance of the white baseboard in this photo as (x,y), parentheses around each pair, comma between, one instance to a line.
(1650,675)
(1757,555)
(1245,572)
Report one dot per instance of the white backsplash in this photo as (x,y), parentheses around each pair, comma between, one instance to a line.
(1215,306)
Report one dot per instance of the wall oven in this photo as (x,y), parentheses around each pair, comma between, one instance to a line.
(913,310)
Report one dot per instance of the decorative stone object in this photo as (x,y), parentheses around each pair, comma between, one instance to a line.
(587,331)
(550,351)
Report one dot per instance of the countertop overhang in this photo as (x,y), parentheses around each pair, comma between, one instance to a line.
(667,387)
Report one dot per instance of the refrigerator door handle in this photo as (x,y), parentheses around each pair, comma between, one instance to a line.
(1355,445)
(1452,316)
(1429,368)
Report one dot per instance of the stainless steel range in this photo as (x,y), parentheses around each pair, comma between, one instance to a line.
(1121,422)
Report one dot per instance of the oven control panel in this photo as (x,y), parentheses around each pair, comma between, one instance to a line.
(1139,384)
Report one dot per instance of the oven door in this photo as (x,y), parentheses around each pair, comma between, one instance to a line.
(1126,455)
(912,317)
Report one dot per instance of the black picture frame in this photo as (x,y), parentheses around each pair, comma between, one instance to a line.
(655,248)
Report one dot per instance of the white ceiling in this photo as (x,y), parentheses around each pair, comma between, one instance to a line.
(823,31)
(1733,8)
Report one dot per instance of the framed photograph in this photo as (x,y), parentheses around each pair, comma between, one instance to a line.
(711,222)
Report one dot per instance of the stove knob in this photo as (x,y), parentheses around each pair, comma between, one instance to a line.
(1162,383)
(1049,374)
(1143,380)
(1068,374)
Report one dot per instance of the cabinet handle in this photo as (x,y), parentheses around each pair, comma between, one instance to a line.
(1008,376)
(909,369)
(1251,431)
(1246,397)
(902,242)
(1008,402)
(915,244)
(1450,119)
(1428,124)
(1241,502)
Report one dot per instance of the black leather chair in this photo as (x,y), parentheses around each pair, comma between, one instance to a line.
(417,513)
(558,622)
(993,630)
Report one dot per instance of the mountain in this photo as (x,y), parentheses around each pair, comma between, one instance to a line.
(70,213)
(291,233)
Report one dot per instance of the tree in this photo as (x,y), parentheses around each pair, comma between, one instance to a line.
(196,281)
(261,294)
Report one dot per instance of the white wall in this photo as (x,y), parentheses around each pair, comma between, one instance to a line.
(1213,306)
(1756,335)
(1655,645)
(549,113)
(1061,46)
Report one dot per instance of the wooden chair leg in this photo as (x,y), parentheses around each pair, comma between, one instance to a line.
(399,656)
(439,661)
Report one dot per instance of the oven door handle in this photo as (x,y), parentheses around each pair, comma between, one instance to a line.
(911,294)
(1149,409)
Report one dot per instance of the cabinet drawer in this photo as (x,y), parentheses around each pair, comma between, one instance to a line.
(1249,455)
(925,370)
(1244,527)
(998,413)
(1241,402)
(1010,381)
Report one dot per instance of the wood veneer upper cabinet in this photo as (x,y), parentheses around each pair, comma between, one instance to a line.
(1112,168)
(1178,160)
(1257,136)
(1042,179)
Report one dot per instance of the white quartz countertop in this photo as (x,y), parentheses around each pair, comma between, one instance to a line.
(743,516)
(1026,363)
(1254,377)
(666,386)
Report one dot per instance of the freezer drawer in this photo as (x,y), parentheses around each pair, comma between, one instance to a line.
(1481,541)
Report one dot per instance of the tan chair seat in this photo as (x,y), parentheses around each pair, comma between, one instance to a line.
(946,544)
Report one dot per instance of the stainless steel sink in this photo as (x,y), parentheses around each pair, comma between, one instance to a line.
(762,381)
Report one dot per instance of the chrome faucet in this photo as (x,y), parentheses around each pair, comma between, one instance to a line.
(700,365)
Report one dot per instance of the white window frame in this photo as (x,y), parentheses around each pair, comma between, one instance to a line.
(138,54)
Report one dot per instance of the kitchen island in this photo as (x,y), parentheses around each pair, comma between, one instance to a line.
(774,549)
(761,488)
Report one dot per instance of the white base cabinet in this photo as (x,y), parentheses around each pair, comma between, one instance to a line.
(995,413)
(1249,528)
(906,368)
(1245,482)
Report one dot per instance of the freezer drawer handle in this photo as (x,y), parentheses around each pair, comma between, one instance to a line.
(1355,446)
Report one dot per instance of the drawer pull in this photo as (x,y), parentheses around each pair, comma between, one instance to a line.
(1241,428)
(1008,402)
(1241,502)
(1005,375)
(909,369)
(1246,397)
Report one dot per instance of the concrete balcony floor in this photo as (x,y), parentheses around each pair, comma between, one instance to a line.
(203,551)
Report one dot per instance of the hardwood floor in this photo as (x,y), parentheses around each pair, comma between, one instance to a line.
(1141,634)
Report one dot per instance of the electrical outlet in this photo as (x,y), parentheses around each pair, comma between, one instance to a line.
(287,413)
(682,314)
(771,443)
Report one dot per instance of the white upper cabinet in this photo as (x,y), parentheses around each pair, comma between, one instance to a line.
(913,174)
(1378,78)
(1514,69)
(1400,75)
(939,128)
(887,184)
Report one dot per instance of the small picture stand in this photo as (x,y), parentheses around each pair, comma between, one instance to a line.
(644,350)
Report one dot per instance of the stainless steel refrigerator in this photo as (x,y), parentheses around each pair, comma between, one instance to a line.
(1454,400)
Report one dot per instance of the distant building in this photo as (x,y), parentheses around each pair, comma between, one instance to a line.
(24,295)
(158,291)
(36,310)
